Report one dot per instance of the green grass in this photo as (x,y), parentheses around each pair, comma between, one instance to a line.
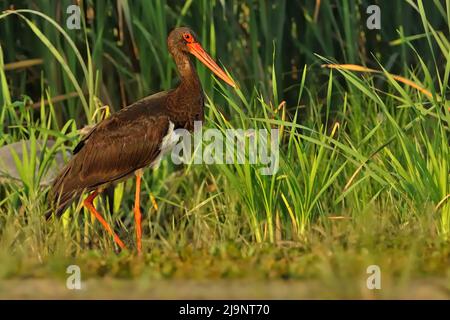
(364,172)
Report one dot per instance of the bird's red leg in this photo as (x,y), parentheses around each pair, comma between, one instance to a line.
(137,212)
(88,202)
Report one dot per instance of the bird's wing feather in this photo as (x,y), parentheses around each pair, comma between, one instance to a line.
(117,148)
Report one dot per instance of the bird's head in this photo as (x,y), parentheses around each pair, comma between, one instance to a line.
(184,40)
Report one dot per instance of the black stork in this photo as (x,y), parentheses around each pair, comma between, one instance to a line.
(135,137)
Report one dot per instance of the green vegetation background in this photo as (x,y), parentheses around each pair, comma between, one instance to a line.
(364,159)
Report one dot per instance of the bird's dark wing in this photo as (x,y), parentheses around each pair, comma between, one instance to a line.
(115,148)
(145,107)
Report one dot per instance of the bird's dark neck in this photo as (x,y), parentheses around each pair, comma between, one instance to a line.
(186,103)
(188,74)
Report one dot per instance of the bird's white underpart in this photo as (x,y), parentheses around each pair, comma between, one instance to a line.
(169,141)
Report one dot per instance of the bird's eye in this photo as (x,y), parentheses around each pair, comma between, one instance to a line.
(188,37)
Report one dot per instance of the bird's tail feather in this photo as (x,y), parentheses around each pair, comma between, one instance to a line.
(61,194)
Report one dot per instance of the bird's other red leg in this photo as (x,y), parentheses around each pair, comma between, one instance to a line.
(137,212)
(88,203)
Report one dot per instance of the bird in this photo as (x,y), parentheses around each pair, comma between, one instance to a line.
(136,137)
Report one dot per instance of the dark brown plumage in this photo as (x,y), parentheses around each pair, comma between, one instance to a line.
(131,139)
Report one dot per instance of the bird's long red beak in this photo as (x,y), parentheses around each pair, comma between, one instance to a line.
(196,49)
